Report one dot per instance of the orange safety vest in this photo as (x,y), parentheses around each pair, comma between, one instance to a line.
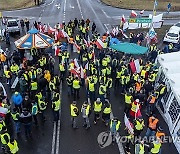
(153,99)
(103,38)
(71,40)
(159,134)
(138,86)
(153,123)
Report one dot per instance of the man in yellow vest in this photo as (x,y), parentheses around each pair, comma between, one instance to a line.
(155,147)
(15,116)
(97,109)
(74,113)
(85,110)
(106,111)
(128,99)
(138,126)
(62,70)
(91,89)
(114,127)
(13,146)
(102,91)
(56,108)
(8,75)
(5,138)
(34,87)
(42,106)
(76,88)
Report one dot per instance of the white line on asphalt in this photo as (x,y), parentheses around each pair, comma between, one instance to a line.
(64,11)
(106,27)
(57,140)
(53,139)
(100,23)
(49,3)
(105,14)
(80,9)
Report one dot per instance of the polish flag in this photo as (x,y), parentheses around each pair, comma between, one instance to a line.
(75,72)
(51,30)
(138,111)
(114,31)
(82,73)
(57,50)
(142,12)
(76,63)
(45,28)
(86,66)
(77,46)
(128,124)
(133,14)
(117,30)
(99,44)
(123,19)
(87,42)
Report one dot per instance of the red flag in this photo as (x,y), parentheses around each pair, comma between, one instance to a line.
(57,50)
(75,72)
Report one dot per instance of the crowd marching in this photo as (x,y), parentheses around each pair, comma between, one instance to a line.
(94,67)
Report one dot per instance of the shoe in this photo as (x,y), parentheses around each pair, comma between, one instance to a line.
(87,128)
(98,118)
(95,122)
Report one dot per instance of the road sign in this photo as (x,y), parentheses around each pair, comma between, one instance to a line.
(139,20)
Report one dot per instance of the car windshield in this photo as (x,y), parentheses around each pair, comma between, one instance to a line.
(12,24)
(172,35)
(178,24)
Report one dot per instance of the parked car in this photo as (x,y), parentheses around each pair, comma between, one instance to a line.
(173,35)
(12,26)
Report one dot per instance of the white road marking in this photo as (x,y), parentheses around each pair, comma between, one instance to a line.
(53,139)
(100,23)
(64,11)
(49,3)
(58,6)
(80,9)
(105,14)
(59,124)
(106,27)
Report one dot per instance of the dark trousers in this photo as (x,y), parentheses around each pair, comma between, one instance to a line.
(56,115)
(76,94)
(27,128)
(96,116)
(35,119)
(127,108)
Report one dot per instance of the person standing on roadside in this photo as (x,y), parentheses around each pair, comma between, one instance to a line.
(22,24)
(26,21)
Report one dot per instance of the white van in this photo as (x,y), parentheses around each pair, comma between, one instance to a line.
(12,26)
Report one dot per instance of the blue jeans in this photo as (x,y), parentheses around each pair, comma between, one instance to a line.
(17,126)
(150,133)
(27,128)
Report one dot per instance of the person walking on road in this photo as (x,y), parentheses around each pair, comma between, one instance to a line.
(74,113)
(85,109)
(26,21)
(114,127)
(106,112)
(56,107)
(76,88)
(26,120)
(97,110)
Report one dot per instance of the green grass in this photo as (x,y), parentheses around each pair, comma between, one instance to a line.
(15,4)
(144,4)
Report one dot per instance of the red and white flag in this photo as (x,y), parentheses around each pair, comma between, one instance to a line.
(57,50)
(76,63)
(75,72)
(114,31)
(123,19)
(117,30)
(77,47)
(133,14)
(86,66)
(138,112)
(142,12)
(51,30)
(82,73)
(99,44)
(128,124)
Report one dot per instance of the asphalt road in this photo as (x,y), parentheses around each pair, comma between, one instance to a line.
(61,137)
